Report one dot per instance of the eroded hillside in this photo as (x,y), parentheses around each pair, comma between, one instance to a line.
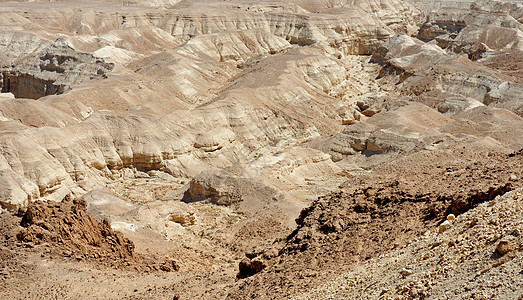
(246,149)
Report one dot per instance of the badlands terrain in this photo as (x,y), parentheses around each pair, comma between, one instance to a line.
(304,149)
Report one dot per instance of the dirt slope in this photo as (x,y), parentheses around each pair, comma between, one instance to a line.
(379,212)
(478,257)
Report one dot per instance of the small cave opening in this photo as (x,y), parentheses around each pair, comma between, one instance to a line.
(23,85)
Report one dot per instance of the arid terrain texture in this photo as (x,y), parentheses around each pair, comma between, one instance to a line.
(286,149)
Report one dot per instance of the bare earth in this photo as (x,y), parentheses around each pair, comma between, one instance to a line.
(302,149)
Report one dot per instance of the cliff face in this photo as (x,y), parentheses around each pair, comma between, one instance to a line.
(52,71)
(367,20)
(425,71)
(488,32)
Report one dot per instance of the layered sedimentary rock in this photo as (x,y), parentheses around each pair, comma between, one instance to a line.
(217,75)
(486,26)
(428,6)
(216,70)
(201,129)
(486,31)
(231,190)
(427,72)
(53,70)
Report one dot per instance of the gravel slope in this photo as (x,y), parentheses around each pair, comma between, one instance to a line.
(478,257)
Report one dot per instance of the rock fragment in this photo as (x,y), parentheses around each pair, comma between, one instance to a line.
(444,226)
(405,272)
(248,267)
(506,244)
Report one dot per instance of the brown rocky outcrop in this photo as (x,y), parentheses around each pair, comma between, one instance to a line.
(373,216)
(479,255)
(81,236)
(68,230)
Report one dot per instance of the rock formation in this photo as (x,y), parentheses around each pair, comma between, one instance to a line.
(469,253)
(202,130)
(53,70)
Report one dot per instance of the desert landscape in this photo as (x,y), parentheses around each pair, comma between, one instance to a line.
(286,149)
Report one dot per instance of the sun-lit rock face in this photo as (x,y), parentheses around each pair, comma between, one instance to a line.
(54,69)
(427,72)
(207,85)
(486,31)
(428,6)
(485,26)
(292,140)
(182,88)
